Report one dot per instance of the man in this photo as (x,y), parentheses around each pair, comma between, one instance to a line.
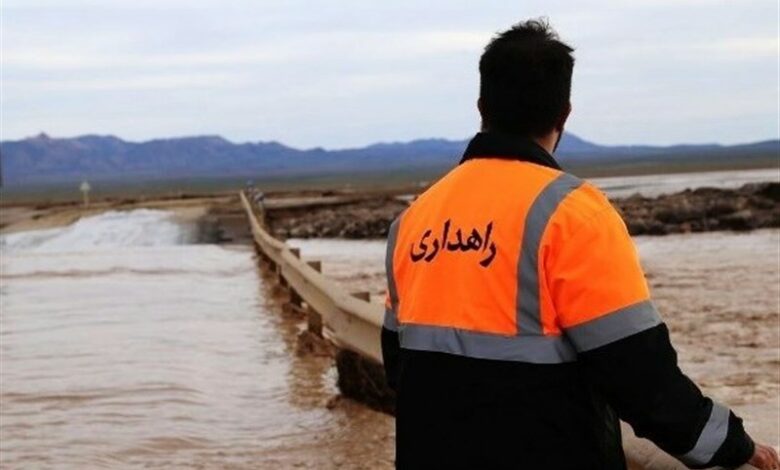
(519,327)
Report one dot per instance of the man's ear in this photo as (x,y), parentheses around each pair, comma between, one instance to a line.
(481,108)
(564,117)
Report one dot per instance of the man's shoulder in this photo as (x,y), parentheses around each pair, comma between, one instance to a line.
(584,205)
(584,201)
(432,191)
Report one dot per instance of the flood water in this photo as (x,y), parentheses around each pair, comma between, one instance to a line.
(125,346)
(654,185)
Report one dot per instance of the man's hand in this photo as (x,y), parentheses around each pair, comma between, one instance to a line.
(765,458)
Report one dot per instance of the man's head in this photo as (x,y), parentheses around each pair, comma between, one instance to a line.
(525,82)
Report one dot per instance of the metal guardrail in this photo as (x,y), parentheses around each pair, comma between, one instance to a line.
(349,322)
(355,324)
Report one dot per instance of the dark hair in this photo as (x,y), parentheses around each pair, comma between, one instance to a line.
(525,80)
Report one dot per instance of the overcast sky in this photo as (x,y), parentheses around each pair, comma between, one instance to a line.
(347,73)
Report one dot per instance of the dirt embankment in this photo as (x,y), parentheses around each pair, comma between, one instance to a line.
(703,210)
(367,218)
(750,207)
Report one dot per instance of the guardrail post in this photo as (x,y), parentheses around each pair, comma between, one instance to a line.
(295,298)
(314,322)
(282,281)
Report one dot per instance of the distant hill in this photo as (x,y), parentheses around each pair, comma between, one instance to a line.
(44,160)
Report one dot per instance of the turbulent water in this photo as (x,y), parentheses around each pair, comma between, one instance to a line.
(124,346)
(113,229)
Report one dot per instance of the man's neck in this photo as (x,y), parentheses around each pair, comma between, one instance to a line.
(547,142)
(489,144)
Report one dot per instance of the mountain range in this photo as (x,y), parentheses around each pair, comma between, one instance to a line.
(42,159)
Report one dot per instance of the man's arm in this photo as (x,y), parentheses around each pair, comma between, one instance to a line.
(390,341)
(390,352)
(640,379)
(602,301)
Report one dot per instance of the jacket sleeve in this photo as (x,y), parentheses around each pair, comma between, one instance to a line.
(603,306)
(390,338)
(391,348)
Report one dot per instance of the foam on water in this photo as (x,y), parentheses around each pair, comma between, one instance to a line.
(113,229)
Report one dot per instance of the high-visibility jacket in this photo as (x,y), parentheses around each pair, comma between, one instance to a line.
(512,266)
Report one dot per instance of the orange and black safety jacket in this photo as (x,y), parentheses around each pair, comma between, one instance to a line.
(519,327)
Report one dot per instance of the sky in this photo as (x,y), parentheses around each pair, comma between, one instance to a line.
(347,73)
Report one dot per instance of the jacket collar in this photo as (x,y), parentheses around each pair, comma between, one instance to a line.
(508,147)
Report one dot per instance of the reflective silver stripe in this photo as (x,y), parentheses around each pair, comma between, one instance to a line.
(534,349)
(543,207)
(391,320)
(711,438)
(392,236)
(614,326)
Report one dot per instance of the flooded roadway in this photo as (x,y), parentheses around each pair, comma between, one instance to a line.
(124,346)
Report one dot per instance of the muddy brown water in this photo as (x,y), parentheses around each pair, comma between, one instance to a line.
(123,345)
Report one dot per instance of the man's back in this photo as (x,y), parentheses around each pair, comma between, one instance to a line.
(458,412)
(462,241)
(480,251)
(474,373)
(519,325)
(519,317)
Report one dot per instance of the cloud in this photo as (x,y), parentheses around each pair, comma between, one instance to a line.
(742,48)
(150,82)
(351,72)
(381,45)
(65,59)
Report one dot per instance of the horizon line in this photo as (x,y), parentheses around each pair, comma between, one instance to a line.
(44,134)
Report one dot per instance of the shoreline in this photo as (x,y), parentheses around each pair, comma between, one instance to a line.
(749,207)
